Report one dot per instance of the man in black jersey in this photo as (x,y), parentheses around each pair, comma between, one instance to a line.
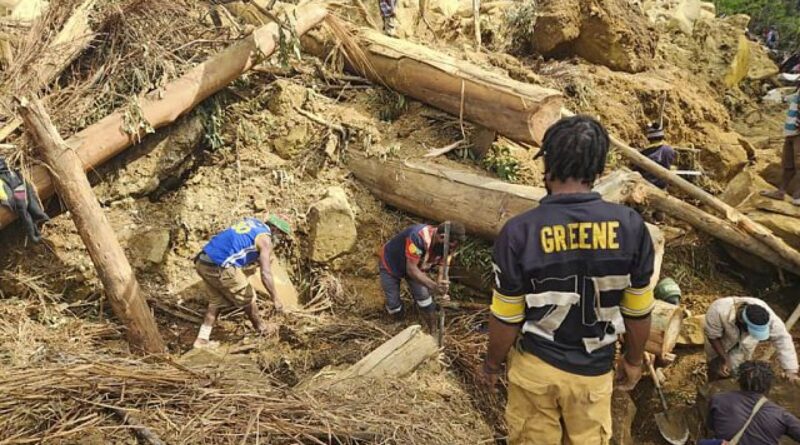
(571,276)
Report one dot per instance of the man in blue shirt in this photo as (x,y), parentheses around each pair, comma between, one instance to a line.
(220,265)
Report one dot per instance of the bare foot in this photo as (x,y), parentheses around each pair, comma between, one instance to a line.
(204,344)
(774,194)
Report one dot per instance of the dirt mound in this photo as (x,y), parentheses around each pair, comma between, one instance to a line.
(604,32)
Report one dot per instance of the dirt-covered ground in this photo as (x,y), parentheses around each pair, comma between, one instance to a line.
(253,149)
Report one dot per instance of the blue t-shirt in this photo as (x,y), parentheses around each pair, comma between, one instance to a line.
(236,245)
(413,244)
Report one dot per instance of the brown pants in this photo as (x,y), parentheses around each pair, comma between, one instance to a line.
(228,285)
(548,406)
(790,161)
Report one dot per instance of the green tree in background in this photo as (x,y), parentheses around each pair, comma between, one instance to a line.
(784,15)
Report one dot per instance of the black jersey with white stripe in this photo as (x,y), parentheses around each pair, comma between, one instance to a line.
(570,270)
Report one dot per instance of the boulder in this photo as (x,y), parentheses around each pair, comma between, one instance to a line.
(785,227)
(286,95)
(686,13)
(743,187)
(722,155)
(150,247)
(604,32)
(287,293)
(333,226)
(158,159)
(296,138)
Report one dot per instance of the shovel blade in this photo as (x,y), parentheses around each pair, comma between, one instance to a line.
(672,428)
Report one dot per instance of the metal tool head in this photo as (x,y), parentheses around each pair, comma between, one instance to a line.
(672,428)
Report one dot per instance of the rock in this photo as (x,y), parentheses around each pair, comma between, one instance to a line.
(604,32)
(686,13)
(295,140)
(785,227)
(743,187)
(333,227)
(287,293)
(721,152)
(557,22)
(159,158)
(150,247)
(692,330)
(286,95)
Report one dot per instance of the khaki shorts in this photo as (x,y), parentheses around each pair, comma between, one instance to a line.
(228,285)
(548,406)
(791,154)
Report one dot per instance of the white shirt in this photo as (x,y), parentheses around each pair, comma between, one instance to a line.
(721,324)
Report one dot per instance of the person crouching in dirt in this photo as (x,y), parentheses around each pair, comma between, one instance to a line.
(410,255)
(659,152)
(570,275)
(734,327)
(220,265)
(790,159)
(728,412)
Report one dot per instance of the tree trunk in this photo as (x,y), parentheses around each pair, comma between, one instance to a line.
(665,328)
(760,233)
(653,197)
(100,142)
(107,255)
(397,357)
(520,111)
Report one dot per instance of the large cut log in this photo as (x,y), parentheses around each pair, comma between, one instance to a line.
(724,230)
(100,142)
(395,358)
(761,234)
(521,111)
(94,229)
(518,110)
(665,328)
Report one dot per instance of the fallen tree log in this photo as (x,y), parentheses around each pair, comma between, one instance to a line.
(521,111)
(761,234)
(109,259)
(439,193)
(665,328)
(648,195)
(100,142)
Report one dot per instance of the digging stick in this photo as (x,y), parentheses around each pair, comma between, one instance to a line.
(445,276)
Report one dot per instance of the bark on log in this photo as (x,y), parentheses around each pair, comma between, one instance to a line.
(623,411)
(100,142)
(737,218)
(665,328)
(520,111)
(107,255)
(397,357)
(649,195)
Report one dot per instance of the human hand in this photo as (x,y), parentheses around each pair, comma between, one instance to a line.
(488,376)
(628,375)
(442,287)
(725,369)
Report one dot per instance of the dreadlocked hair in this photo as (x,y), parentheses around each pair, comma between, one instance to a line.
(575,148)
(755,376)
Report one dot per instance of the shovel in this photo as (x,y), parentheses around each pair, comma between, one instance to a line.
(671,426)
